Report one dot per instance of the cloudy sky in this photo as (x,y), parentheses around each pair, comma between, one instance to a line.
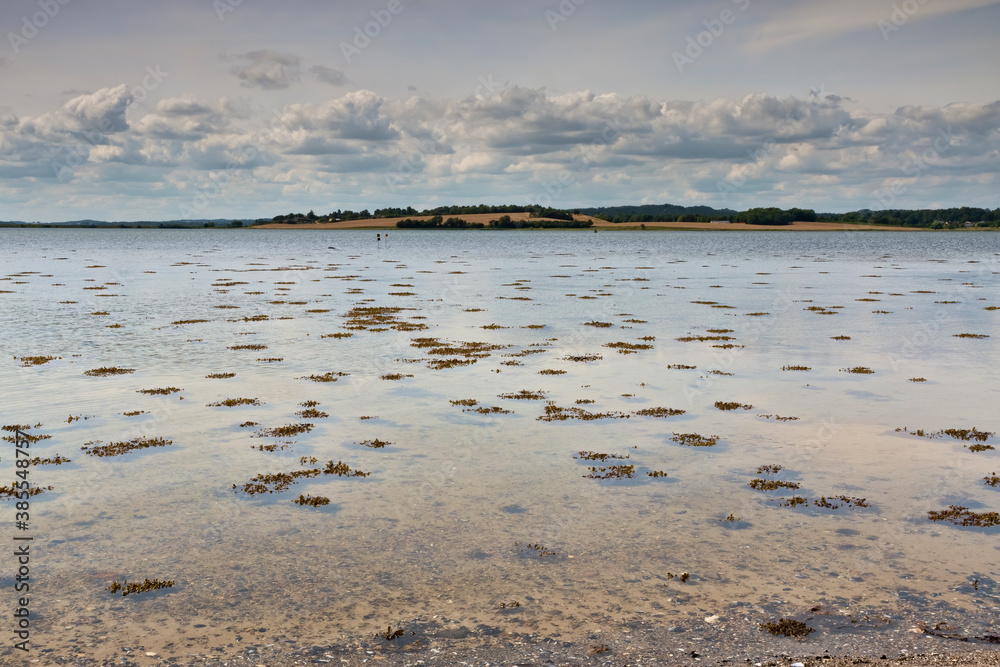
(156,109)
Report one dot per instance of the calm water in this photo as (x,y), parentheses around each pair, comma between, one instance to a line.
(446,524)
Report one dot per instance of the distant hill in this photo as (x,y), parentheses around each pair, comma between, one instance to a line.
(219,222)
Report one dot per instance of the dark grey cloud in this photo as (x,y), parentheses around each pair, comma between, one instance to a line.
(268,70)
(334,77)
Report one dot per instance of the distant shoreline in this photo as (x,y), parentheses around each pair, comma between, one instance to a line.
(386,224)
(390,224)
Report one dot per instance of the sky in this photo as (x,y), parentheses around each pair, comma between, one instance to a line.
(189,109)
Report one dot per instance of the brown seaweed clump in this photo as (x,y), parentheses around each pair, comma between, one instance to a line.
(394,376)
(143,587)
(311,413)
(312,501)
(332,376)
(443,364)
(341,469)
(772,485)
(467,402)
(992,480)
(918,379)
(722,405)
(524,395)
(48,461)
(165,391)
(795,368)
(278,482)
(233,402)
(970,335)
(963,516)
(375,444)
(288,431)
(858,370)
(36,361)
(612,472)
(688,339)
(12,491)
(628,348)
(555,413)
(489,410)
(382,318)
(108,370)
(583,358)
(220,376)
(535,549)
(769,470)
(599,325)
(656,473)
(551,371)
(249,346)
(847,501)
(966,434)
(695,440)
(980,448)
(30,437)
(598,456)
(658,412)
(788,627)
(840,338)
(120,448)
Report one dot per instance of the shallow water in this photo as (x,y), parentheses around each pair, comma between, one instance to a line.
(442,527)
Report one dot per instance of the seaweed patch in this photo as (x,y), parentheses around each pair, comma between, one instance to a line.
(145,586)
(96,448)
